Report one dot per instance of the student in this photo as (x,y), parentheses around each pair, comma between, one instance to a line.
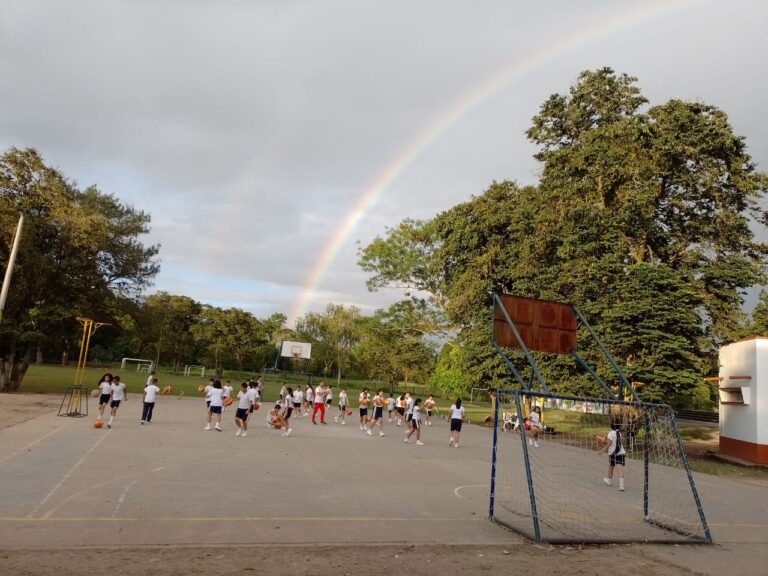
(118,395)
(378,413)
(616,455)
(105,393)
(207,394)
(150,395)
(309,398)
(282,391)
(343,399)
(227,393)
(429,404)
(400,409)
(150,378)
(408,408)
(329,397)
(415,423)
(363,401)
(390,407)
(275,420)
(297,400)
(535,427)
(457,419)
(244,408)
(288,404)
(319,406)
(253,397)
(216,403)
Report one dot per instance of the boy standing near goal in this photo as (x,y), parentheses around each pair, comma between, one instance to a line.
(616,455)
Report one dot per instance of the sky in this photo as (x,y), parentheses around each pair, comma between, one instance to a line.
(270,139)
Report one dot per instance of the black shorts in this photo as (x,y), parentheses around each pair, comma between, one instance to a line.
(363,411)
(456,424)
(378,412)
(104,399)
(115,403)
(400,410)
(214,409)
(616,459)
(342,407)
(241,414)
(429,413)
(414,424)
(297,405)
(288,412)
(329,402)
(408,417)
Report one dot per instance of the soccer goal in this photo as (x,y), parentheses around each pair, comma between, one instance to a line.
(189,368)
(552,488)
(479,397)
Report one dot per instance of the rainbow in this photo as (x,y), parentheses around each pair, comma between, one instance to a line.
(638,14)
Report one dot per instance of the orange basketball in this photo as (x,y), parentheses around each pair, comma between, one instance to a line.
(227,401)
(201,388)
(601,439)
(167,390)
(98,424)
(349,412)
(256,406)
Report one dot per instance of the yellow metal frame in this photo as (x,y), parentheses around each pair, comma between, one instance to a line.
(89,328)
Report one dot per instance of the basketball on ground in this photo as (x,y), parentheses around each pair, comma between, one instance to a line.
(98,424)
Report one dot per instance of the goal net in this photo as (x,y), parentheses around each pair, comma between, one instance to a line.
(549,484)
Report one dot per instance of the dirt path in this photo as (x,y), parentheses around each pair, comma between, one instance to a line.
(18,408)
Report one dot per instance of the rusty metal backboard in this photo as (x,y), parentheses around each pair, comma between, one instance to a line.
(543,325)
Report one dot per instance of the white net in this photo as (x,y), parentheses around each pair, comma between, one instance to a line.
(573,502)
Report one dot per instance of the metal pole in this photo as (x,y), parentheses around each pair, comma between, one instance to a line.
(9,269)
(492,501)
(528,474)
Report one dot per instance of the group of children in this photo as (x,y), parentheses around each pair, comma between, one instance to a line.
(112,393)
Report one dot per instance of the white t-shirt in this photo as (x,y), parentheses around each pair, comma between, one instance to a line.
(535,420)
(149,379)
(319,394)
(416,413)
(329,396)
(364,396)
(391,404)
(612,444)
(457,413)
(288,402)
(378,400)
(409,405)
(297,396)
(217,396)
(227,391)
(252,394)
(118,391)
(150,392)
(310,395)
(342,398)
(244,399)
(207,392)
(105,387)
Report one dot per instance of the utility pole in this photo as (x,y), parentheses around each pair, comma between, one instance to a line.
(9,269)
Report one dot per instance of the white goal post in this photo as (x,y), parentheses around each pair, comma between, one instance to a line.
(141,361)
(189,368)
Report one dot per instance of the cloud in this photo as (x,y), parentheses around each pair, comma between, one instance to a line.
(249,130)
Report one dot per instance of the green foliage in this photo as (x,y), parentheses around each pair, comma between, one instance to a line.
(642,218)
(80,252)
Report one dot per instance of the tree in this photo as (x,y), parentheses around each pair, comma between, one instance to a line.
(642,218)
(79,249)
(333,334)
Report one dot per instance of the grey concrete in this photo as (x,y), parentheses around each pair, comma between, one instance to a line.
(65,484)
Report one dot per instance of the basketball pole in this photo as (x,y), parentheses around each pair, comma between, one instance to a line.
(9,269)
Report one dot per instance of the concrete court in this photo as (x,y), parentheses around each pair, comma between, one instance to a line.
(64,483)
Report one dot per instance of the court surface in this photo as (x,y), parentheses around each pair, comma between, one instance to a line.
(169,483)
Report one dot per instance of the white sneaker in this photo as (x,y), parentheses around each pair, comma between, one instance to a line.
(217,428)
(238,432)
(207,427)
(535,444)
(621,488)
(607,481)
(335,418)
(530,442)
(450,442)
(419,443)
(343,423)
(429,423)
(456,445)
(369,433)
(390,420)
(365,428)
(381,434)
(362,427)
(244,434)
(405,440)
(288,432)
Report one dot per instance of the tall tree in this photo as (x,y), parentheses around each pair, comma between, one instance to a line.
(78,249)
(637,208)
(336,331)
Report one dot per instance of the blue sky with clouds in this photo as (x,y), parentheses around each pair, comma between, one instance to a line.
(250,129)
